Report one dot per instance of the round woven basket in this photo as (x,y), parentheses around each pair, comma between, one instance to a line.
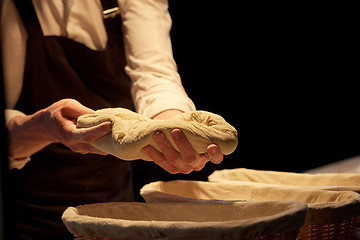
(187,221)
(324,181)
(330,213)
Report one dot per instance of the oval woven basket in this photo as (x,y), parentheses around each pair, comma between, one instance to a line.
(330,213)
(324,181)
(187,221)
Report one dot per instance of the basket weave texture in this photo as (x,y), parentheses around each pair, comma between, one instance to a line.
(188,221)
(322,181)
(325,208)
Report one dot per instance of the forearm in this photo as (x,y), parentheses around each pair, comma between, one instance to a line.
(26,135)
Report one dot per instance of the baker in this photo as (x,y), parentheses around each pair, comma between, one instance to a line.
(61,60)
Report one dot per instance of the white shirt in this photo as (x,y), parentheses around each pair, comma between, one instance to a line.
(156,85)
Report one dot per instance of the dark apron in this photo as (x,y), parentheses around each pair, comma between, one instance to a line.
(55,178)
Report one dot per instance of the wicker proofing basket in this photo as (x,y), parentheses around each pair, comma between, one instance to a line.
(330,215)
(187,221)
(325,181)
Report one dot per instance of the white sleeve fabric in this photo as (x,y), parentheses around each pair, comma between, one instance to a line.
(156,84)
(15,163)
(18,163)
(10,113)
(13,50)
(146,25)
(150,64)
(13,44)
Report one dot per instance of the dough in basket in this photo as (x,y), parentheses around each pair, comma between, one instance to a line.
(132,131)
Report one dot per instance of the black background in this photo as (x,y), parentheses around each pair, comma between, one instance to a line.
(284,75)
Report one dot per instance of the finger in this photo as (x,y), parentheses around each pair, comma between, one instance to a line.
(200,165)
(74,109)
(165,146)
(172,156)
(214,153)
(188,154)
(159,159)
(92,133)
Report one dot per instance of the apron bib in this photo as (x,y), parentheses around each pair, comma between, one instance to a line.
(55,178)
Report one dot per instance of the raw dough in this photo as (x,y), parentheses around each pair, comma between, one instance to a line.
(132,131)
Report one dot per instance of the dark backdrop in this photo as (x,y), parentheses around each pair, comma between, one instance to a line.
(284,76)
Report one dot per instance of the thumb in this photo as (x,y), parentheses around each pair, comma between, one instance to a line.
(92,133)
(74,109)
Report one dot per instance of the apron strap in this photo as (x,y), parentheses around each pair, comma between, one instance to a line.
(107,4)
(28,15)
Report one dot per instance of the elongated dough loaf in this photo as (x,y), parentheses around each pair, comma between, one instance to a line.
(132,131)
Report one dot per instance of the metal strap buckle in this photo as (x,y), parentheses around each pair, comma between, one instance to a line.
(112,12)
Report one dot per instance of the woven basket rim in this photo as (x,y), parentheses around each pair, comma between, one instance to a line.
(347,203)
(324,181)
(100,227)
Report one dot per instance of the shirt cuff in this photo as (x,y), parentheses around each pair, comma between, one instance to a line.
(15,163)
(165,101)
(10,113)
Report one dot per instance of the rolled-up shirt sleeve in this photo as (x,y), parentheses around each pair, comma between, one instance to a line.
(156,84)
(15,163)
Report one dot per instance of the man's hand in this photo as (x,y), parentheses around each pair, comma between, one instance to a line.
(186,159)
(57,123)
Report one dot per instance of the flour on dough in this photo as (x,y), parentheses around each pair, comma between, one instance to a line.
(131,131)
